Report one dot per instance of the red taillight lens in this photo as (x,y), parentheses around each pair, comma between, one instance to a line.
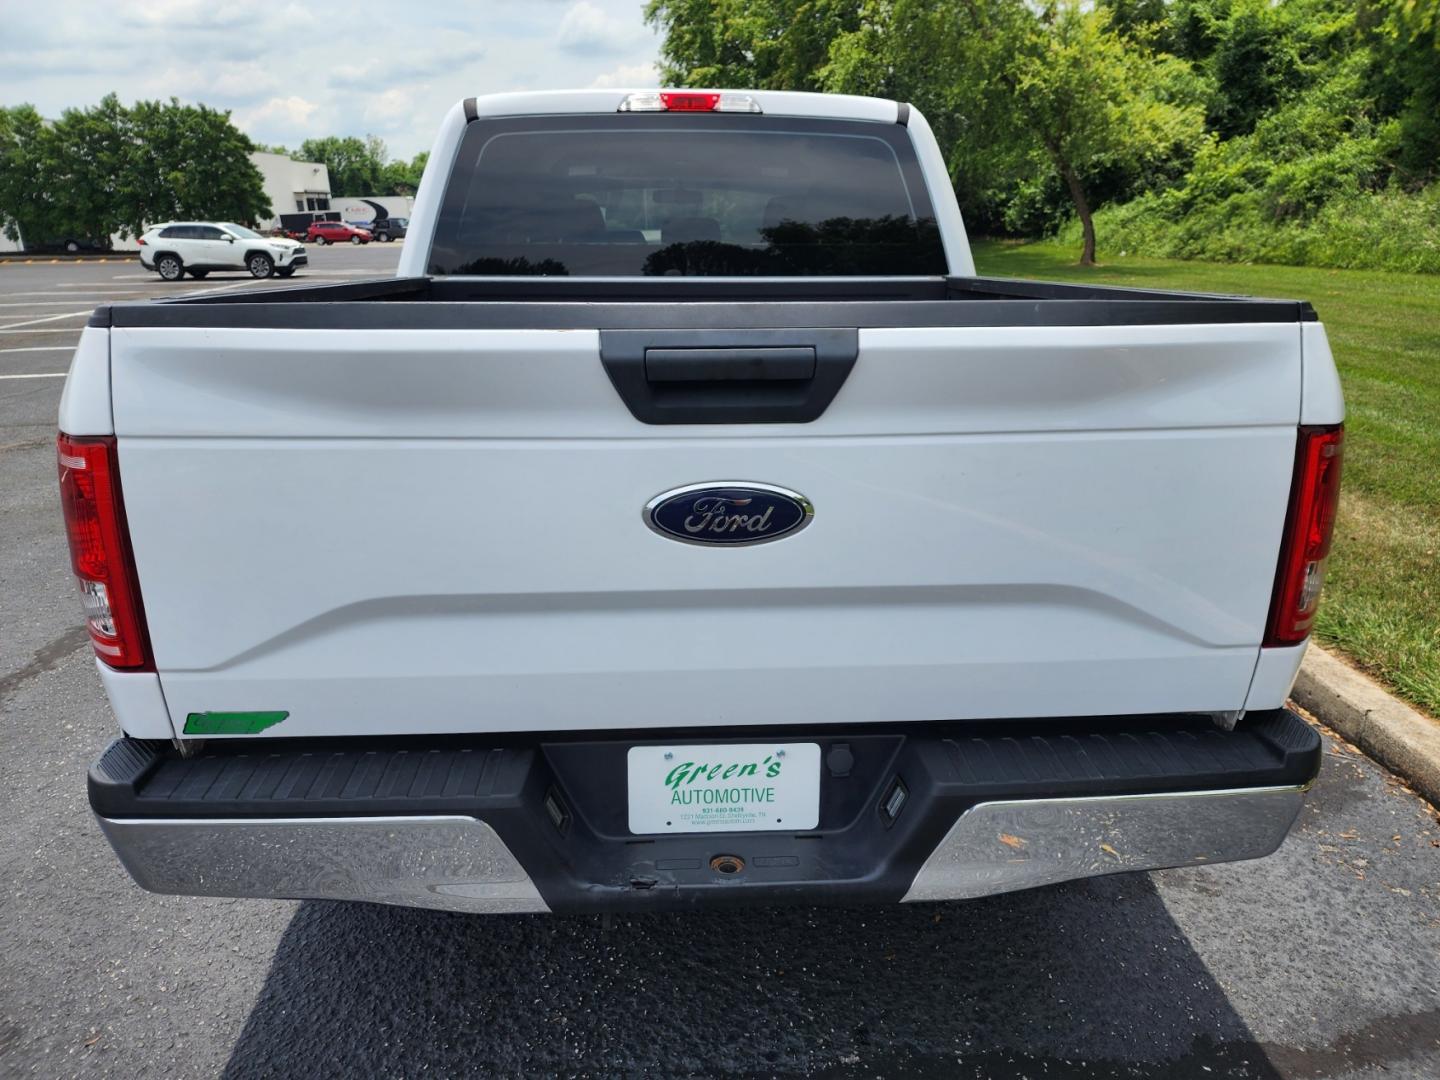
(1305,547)
(686,102)
(140,240)
(100,550)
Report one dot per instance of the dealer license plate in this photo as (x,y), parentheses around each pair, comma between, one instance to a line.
(742,787)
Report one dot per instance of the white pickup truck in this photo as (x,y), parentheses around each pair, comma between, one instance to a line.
(688,524)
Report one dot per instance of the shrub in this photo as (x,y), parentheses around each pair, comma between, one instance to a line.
(1370,230)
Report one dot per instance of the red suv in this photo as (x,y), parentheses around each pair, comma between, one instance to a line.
(335,232)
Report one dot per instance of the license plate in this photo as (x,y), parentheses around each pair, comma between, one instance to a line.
(743,787)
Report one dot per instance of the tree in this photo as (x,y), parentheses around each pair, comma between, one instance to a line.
(111,169)
(1404,39)
(1012,91)
(1087,98)
(1229,115)
(402,177)
(949,59)
(189,161)
(87,169)
(356,166)
(766,44)
(27,147)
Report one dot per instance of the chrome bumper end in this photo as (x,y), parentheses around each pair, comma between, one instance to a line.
(442,862)
(457,863)
(999,847)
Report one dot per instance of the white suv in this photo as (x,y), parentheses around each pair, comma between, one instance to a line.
(177,248)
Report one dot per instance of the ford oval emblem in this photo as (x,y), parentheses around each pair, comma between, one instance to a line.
(728,514)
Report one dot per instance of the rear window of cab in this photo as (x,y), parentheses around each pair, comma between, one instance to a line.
(698,195)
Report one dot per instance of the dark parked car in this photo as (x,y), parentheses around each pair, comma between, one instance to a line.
(389,228)
(335,232)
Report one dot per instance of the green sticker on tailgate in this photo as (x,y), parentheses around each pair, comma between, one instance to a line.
(231,723)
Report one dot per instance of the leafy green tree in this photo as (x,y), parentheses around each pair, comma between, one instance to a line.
(1263,55)
(1205,116)
(1403,37)
(111,169)
(87,167)
(765,44)
(1141,20)
(1087,99)
(27,149)
(356,166)
(188,161)
(1012,91)
(395,179)
(403,177)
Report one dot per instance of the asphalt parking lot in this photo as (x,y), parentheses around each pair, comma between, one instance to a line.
(1321,961)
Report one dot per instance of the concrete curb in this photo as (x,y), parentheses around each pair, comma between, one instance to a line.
(1405,741)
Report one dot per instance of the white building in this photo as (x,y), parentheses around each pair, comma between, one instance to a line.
(293,187)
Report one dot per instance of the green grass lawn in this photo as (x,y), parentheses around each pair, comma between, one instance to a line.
(1384,578)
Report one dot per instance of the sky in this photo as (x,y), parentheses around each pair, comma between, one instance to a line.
(289,71)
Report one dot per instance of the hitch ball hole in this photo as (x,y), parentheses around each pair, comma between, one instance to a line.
(727,864)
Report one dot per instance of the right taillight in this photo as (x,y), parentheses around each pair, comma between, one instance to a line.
(100,550)
(1309,526)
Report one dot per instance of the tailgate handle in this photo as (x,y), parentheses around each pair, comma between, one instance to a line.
(728,376)
(721,365)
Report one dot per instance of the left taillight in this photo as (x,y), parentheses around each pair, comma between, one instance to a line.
(100,550)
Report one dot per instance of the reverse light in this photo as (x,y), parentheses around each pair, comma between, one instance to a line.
(689,101)
(1309,527)
(100,550)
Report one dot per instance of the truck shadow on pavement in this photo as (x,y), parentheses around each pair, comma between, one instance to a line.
(1092,979)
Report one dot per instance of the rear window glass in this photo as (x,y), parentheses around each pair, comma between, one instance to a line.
(703,195)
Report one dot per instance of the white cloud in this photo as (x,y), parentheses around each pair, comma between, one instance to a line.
(628,76)
(384,110)
(409,66)
(254,58)
(586,29)
(187,14)
(237,82)
(289,116)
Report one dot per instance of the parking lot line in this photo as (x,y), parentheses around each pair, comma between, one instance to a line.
(41,348)
(44,329)
(44,303)
(38,375)
(222,288)
(47,318)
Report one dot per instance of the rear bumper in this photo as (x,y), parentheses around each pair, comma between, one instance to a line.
(464,825)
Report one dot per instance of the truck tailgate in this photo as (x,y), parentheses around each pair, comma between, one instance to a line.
(412,531)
